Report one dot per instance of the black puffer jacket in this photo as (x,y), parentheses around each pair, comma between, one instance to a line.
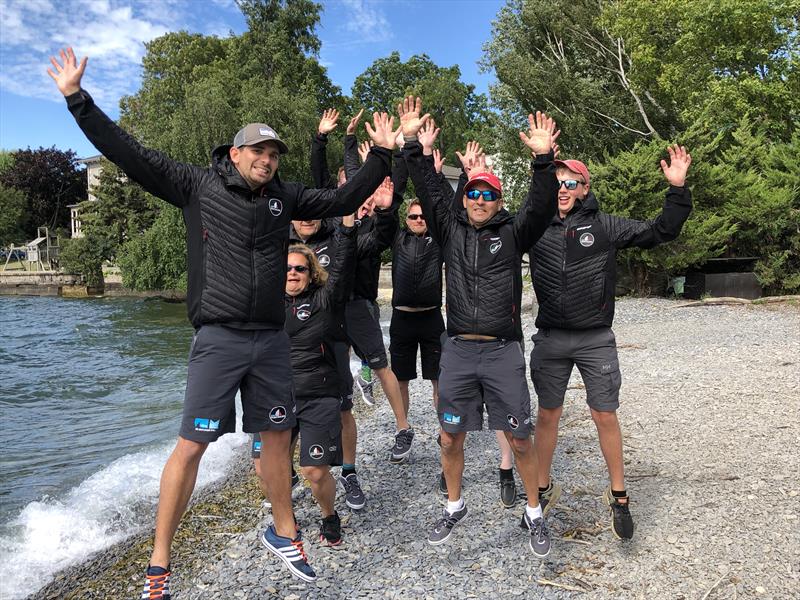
(574,263)
(416,270)
(236,237)
(312,324)
(484,279)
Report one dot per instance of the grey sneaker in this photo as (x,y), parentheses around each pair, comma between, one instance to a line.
(540,536)
(548,499)
(402,445)
(365,387)
(444,526)
(354,496)
(442,485)
(508,493)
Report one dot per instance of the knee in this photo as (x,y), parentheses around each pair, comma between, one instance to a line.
(548,417)
(605,419)
(521,446)
(452,443)
(315,474)
(188,451)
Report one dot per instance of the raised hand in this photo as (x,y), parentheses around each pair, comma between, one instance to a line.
(410,121)
(679,161)
(427,136)
(328,122)
(68,74)
(353,124)
(477,164)
(541,133)
(438,160)
(363,150)
(470,155)
(382,197)
(383,134)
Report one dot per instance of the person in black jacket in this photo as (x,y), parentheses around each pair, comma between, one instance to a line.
(574,276)
(237,214)
(482,362)
(314,299)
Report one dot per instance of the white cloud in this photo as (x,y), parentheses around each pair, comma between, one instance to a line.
(366,22)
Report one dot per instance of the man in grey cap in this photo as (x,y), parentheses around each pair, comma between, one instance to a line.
(237,215)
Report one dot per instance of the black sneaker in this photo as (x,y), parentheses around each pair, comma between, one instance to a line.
(443,485)
(549,497)
(444,526)
(156,584)
(330,530)
(621,520)
(540,535)
(402,445)
(508,492)
(354,496)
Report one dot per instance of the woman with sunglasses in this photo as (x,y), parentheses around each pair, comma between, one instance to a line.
(313,297)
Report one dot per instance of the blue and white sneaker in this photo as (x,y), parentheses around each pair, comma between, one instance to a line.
(290,552)
(156,584)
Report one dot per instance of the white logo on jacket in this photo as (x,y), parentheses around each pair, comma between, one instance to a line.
(275,207)
(586,239)
(497,243)
(303,312)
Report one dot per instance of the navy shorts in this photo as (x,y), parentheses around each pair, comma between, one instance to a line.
(410,330)
(363,319)
(475,374)
(593,351)
(223,361)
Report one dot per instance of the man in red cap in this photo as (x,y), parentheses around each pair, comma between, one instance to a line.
(482,364)
(574,275)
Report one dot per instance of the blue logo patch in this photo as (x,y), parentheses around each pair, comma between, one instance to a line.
(454,419)
(206,425)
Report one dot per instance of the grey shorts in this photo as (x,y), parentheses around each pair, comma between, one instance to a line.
(593,351)
(363,322)
(223,361)
(474,374)
(320,431)
(342,352)
(255,446)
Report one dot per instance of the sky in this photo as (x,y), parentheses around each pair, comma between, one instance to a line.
(112,33)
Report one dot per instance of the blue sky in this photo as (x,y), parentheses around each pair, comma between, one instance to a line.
(112,33)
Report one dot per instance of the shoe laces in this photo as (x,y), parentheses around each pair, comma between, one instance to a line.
(446,520)
(352,486)
(298,544)
(404,436)
(621,507)
(157,584)
(539,528)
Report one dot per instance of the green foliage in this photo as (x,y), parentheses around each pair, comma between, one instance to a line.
(6,161)
(156,260)
(13,203)
(461,113)
(85,256)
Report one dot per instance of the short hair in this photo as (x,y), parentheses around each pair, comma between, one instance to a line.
(415,202)
(318,274)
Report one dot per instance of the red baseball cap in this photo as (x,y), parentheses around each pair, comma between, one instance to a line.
(575,166)
(488,178)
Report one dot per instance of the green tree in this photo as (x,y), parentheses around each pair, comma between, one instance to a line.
(13,204)
(6,160)
(85,256)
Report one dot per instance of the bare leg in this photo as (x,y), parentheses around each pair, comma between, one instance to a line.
(392,390)
(435,383)
(261,484)
(404,393)
(526,465)
(278,478)
(322,486)
(611,445)
(349,437)
(177,482)
(506,455)
(544,441)
(453,462)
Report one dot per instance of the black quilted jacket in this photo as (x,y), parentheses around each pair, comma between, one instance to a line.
(236,238)
(574,262)
(416,270)
(484,278)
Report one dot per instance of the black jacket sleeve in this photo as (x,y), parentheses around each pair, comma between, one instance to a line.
(352,162)
(540,205)
(626,233)
(321,203)
(438,216)
(168,179)
(343,266)
(319,162)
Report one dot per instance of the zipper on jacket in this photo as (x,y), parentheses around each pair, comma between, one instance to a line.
(253,259)
(564,272)
(475,292)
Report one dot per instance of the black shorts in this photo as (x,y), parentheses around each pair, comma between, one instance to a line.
(410,330)
(593,351)
(342,353)
(223,361)
(475,374)
(255,447)
(320,431)
(363,319)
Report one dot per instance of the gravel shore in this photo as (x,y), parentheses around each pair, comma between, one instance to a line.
(710,411)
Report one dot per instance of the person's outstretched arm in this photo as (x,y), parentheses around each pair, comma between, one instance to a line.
(341,271)
(154,171)
(351,159)
(541,203)
(319,145)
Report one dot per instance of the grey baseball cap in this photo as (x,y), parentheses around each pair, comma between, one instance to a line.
(254,133)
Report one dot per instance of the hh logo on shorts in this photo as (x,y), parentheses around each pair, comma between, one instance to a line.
(512,421)
(275,207)
(206,425)
(586,239)
(454,419)
(316,452)
(278,414)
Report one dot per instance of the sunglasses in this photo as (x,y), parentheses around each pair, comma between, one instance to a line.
(298,268)
(570,184)
(415,217)
(488,195)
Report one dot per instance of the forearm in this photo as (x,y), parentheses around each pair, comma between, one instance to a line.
(351,159)
(430,196)
(319,161)
(342,268)
(541,203)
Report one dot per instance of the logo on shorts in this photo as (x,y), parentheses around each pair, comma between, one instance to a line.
(586,239)
(333,448)
(256,446)
(275,206)
(512,421)
(497,243)
(316,452)
(303,312)
(278,414)
(206,425)
(449,418)
(324,260)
